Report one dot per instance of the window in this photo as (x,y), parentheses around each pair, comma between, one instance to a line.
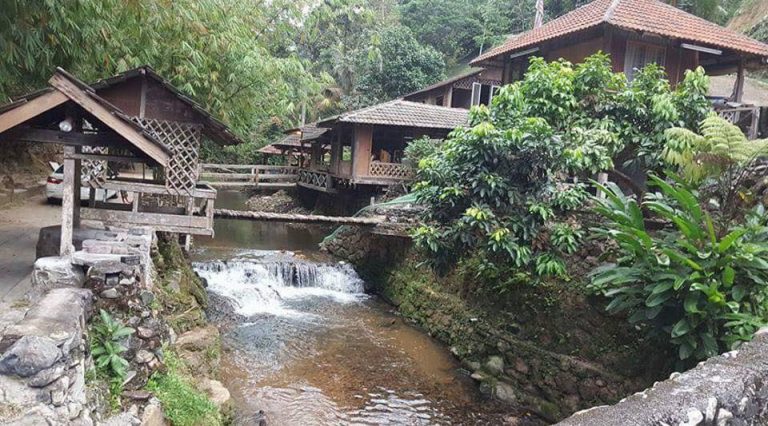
(494,92)
(638,55)
(440,100)
(477,88)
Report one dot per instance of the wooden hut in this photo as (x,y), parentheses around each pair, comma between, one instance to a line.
(636,33)
(476,87)
(367,145)
(134,117)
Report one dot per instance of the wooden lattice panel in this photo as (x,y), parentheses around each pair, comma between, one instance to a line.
(390,170)
(183,139)
(93,172)
(313,178)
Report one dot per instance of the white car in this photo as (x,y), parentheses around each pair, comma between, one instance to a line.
(54,187)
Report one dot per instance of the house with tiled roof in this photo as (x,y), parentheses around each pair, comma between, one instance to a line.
(364,149)
(635,33)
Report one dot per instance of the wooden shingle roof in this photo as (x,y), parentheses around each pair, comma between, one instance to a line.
(404,114)
(651,16)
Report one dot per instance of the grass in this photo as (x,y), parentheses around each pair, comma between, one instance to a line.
(182,403)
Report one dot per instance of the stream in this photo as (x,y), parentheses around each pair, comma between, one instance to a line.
(309,347)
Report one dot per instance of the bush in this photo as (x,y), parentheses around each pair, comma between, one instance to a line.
(492,186)
(701,290)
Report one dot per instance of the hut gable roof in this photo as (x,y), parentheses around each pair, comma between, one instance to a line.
(471,76)
(650,16)
(65,87)
(405,114)
(212,127)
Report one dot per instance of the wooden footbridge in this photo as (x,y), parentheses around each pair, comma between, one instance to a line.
(256,176)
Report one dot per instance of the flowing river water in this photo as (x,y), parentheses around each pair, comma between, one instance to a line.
(309,347)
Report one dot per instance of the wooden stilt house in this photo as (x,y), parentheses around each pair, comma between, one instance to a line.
(135,117)
(367,145)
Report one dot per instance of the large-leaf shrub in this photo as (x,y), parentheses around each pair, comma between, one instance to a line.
(497,188)
(702,290)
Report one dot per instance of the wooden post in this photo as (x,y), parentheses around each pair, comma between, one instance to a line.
(738,87)
(70,204)
(602,179)
(755,124)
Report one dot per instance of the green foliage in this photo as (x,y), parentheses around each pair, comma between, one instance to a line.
(701,290)
(183,405)
(494,185)
(419,149)
(719,146)
(107,347)
(402,66)
(449,26)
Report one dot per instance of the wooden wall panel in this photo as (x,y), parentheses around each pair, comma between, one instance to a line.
(363,143)
(126,96)
(162,104)
(576,52)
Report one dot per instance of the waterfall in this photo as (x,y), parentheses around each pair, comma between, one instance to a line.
(264,286)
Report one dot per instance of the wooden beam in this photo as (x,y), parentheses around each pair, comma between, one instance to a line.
(296,218)
(195,225)
(65,138)
(80,97)
(31,109)
(149,188)
(113,158)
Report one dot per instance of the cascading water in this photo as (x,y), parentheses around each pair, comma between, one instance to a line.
(264,286)
(309,347)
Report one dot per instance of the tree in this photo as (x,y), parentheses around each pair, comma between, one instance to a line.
(403,66)
(450,26)
(221,53)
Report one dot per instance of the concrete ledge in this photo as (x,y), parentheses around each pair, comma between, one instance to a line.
(730,389)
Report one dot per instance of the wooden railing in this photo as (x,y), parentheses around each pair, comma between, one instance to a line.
(153,205)
(390,170)
(320,181)
(249,175)
(745,117)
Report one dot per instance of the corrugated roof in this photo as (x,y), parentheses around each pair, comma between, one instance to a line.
(650,16)
(405,114)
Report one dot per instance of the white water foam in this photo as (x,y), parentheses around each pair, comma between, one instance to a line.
(263,287)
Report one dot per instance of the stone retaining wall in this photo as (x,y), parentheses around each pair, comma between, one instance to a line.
(44,361)
(730,389)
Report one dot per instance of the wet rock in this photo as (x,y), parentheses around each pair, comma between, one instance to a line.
(110,293)
(145,332)
(153,414)
(505,392)
(54,272)
(198,339)
(521,366)
(495,365)
(137,395)
(217,393)
(29,355)
(45,377)
(144,356)
(147,297)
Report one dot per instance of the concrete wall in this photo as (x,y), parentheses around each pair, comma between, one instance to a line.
(730,389)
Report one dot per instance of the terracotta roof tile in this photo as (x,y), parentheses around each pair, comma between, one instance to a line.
(650,16)
(405,114)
